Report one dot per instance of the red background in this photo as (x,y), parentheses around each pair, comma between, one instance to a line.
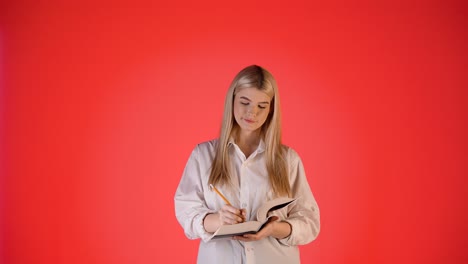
(101,104)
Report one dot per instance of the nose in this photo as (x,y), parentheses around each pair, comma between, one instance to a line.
(252,111)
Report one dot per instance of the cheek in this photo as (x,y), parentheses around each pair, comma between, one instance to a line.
(237,112)
(264,115)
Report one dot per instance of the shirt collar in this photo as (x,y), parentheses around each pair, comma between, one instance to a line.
(260,148)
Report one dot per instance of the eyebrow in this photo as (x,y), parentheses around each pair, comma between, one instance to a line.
(245,98)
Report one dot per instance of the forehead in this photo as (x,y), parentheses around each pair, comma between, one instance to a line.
(253,94)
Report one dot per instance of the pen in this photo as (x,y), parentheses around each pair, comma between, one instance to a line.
(220,194)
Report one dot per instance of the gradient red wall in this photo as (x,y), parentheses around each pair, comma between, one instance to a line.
(102,103)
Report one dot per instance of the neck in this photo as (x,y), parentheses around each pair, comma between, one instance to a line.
(248,141)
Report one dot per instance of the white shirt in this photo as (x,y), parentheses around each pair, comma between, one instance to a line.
(194,200)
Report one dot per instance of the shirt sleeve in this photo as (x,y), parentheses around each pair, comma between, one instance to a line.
(304,214)
(190,205)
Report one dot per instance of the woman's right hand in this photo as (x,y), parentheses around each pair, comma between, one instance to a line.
(227,215)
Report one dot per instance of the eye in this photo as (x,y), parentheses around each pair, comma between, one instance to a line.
(261,107)
(244,103)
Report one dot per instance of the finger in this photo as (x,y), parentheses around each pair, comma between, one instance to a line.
(232,210)
(233,213)
(243,213)
(241,238)
(237,218)
(273,219)
(247,238)
(230,218)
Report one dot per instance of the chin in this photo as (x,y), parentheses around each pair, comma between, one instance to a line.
(250,129)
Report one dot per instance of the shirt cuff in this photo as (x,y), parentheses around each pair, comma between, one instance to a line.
(199,225)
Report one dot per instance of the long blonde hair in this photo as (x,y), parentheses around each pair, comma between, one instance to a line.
(254,77)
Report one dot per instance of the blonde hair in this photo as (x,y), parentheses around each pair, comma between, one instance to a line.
(254,77)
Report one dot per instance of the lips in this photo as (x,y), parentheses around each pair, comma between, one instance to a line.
(249,121)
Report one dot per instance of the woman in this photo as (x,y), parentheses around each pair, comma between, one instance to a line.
(250,166)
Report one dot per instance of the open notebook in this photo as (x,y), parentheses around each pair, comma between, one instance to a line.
(252,227)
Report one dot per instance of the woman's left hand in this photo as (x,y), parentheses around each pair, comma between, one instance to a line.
(272,228)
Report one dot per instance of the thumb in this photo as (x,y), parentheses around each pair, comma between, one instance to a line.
(273,219)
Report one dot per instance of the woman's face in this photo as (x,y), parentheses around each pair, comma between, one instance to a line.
(251,108)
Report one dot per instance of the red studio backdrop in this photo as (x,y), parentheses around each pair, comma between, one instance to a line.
(101,104)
